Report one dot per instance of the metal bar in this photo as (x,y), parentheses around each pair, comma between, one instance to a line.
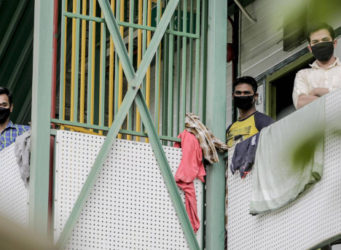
(178,78)
(83,55)
(131,25)
(131,57)
(139,58)
(111,75)
(166,172)
(144,45)
(157,72)
(118,2)
(41,111)
(118,41)
(216,101)
(190,58)
(170,82)
(62,63)
(76,94)
(120,69)
(204,57)
(103,128)
(197,59)
(126,104)
(88,108)
(74,63)
(102,74)
(184,66)
(83,17)
(165,86)
(73,50)
(148,75)
(91,65)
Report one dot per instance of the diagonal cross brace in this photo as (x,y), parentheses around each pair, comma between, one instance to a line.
(133,93)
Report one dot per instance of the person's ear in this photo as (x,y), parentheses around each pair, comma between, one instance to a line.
(335,43)
(11,108)
(256,97)
(309,48)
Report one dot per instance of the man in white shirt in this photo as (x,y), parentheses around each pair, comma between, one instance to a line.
(325,73)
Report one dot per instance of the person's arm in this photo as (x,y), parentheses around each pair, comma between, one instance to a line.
(319,92)
(302,93)
(313,95)
(304,100)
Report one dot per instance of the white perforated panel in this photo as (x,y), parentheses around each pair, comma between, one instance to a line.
(13,194)
(129,207)
(306,222)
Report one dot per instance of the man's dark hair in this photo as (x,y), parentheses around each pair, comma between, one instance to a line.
(5,91)
(320,26)
(247,80)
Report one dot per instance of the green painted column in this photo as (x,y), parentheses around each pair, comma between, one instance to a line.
(41,105)
(215,120)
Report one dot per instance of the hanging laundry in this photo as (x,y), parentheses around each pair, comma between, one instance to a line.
(289,158)
(191,167)
(244,155)
(208,142)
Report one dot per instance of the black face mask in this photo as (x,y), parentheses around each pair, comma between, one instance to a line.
(244,102)
(4,114)
(323,51)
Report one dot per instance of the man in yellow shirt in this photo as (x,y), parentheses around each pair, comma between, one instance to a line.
(250,121)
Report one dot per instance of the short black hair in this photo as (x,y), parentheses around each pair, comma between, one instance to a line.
(248,80)
(5,91)
(320,26)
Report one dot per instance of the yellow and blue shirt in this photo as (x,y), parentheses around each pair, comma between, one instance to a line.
(10,133)
(247,127)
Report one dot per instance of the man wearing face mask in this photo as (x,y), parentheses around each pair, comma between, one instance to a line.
(325,73)
(250,121)
(8,131)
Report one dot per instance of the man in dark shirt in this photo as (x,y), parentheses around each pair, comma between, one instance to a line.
(250,121)
(8,131)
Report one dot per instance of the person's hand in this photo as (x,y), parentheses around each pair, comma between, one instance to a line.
(319,92)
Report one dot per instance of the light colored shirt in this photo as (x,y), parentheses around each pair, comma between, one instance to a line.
(317,77)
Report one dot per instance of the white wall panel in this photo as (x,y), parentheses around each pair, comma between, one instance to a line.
(13,194)
(129,207)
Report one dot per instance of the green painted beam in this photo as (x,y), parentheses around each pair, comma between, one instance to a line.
(41,108)
(76,76)
(130,25)
(216,120)
(122,131)
(117,38)
(62,67)
(153,46)
(203,56)
(166,172)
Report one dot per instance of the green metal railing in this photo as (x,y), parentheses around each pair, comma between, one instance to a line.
(91,85)
(132,77)
(139,81)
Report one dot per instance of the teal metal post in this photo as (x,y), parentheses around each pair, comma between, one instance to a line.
(41,106)
(215,120)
